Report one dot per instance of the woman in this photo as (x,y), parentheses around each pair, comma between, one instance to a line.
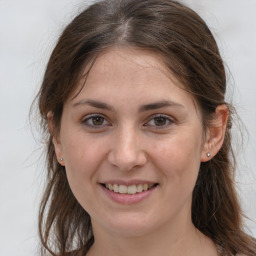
(138,131)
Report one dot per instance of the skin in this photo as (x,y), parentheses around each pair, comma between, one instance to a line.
(130,141)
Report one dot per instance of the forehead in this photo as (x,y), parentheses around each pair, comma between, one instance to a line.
(130,72)
(133,59)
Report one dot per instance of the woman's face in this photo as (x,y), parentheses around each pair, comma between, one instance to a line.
(132,143)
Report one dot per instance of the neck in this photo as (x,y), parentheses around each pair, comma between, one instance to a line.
(180,240)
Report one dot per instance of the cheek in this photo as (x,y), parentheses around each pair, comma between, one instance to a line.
(178,157)
(82,155)
(82,158)
(178,161)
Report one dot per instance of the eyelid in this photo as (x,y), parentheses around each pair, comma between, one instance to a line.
(106,122)
(90,116)
(169,119)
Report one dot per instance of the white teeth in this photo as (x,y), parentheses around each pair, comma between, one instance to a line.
(145,186)
(139,188)
(115,188)
(132,189)
(122,189)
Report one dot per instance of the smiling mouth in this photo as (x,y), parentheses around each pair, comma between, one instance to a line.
(131,190)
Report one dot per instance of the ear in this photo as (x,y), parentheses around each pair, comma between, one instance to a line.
(215,133)
(55,139)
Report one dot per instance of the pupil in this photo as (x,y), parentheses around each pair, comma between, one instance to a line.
(97,120)
(160,121)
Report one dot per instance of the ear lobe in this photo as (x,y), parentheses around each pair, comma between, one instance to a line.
(55,139)
(215,133)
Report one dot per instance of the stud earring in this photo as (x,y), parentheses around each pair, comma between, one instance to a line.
(61,159)
(208,154)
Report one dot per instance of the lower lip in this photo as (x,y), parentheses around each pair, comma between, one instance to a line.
(128,198)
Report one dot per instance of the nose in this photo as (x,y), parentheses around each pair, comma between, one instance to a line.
(127,150)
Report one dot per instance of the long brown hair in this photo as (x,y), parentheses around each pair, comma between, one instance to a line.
(190,52)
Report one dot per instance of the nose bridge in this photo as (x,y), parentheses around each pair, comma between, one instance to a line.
(127,151)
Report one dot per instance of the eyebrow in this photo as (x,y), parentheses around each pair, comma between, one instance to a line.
(94,103)
(159,104)
(143,108)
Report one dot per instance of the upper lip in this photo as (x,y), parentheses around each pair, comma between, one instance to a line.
(128,183)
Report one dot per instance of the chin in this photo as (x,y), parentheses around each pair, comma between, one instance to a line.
(133,225)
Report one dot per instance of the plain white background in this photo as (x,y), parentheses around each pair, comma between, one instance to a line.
(28,32)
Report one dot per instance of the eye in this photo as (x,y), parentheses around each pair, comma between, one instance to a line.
(160,121)
(95,121)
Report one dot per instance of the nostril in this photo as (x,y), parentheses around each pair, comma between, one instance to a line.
(127,161)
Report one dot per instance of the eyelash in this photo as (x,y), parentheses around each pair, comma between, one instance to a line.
(168,121)
(89,119)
